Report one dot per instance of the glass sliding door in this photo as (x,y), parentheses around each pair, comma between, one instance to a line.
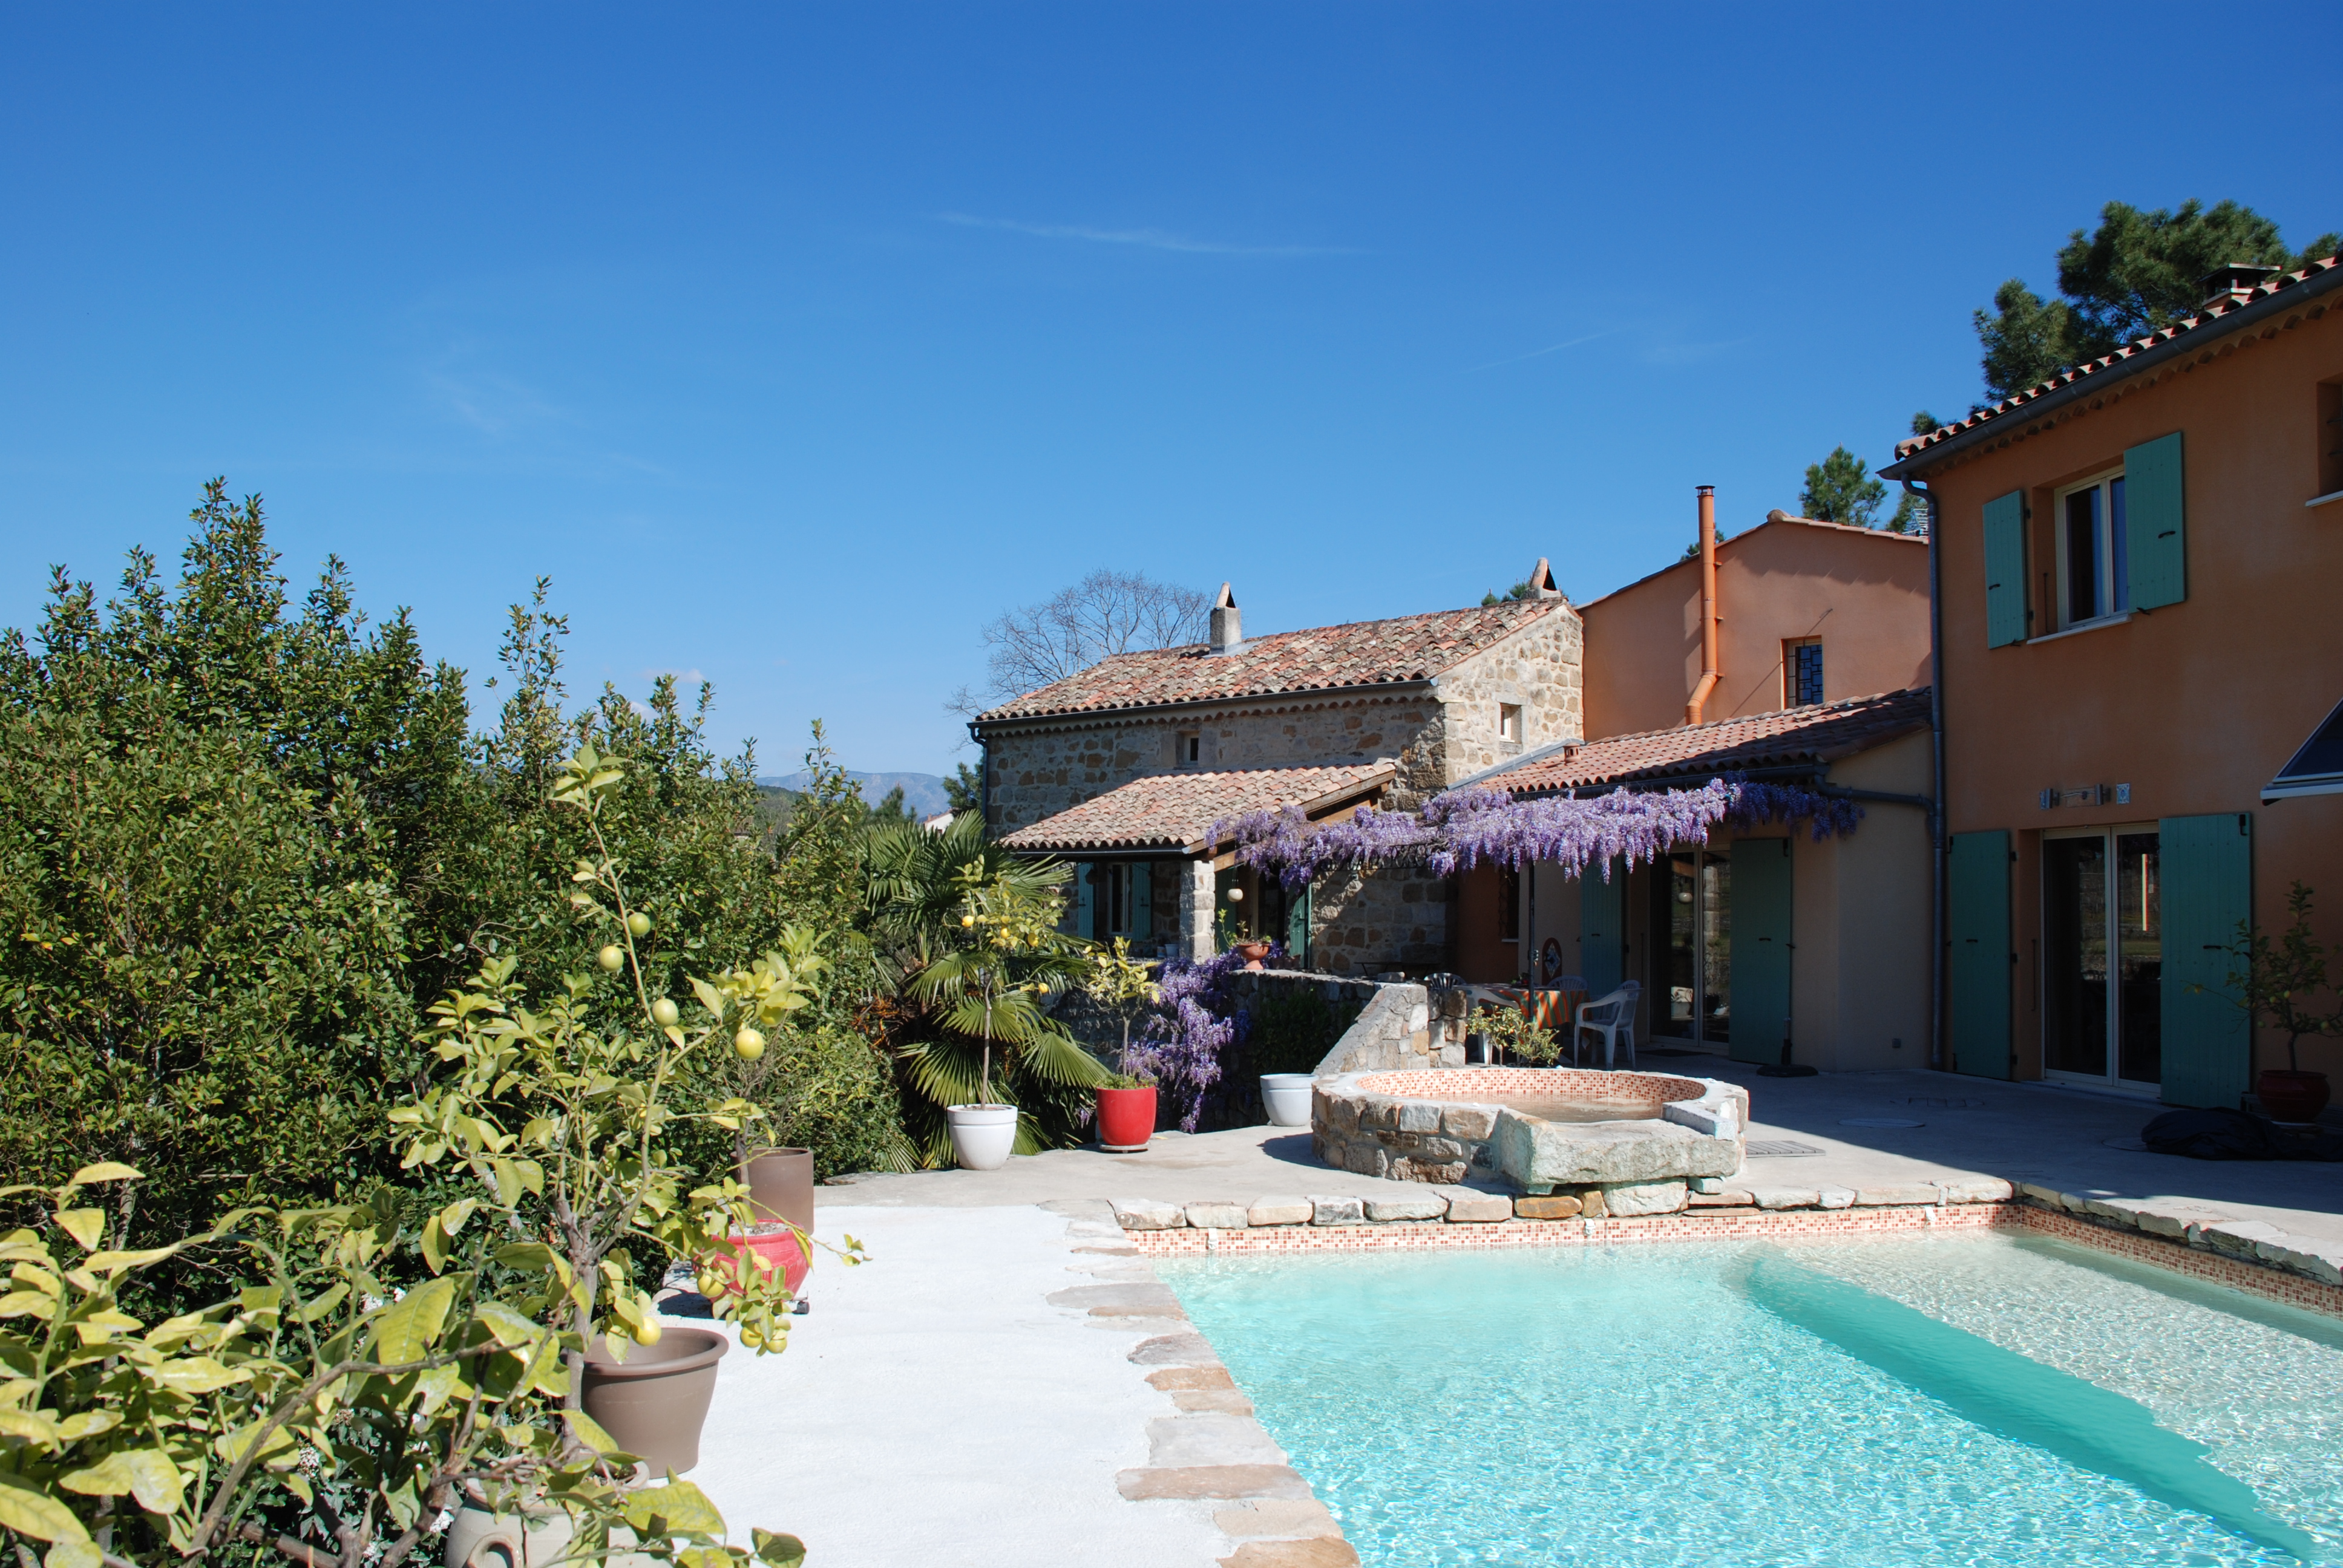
(1692,931)
(2102,956)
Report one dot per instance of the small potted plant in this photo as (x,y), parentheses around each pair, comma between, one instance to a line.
(2271,984)
(1126,1105)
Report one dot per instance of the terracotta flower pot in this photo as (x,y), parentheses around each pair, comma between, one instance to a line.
(1252,953)
(749,1251)
(780,1186)
(1126,1118)
(654,1404)
(2289,1096)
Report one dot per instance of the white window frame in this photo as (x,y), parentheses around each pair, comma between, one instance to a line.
(2109,587)
(1511,724)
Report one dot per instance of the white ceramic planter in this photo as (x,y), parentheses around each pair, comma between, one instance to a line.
(983,1136)
(1286,1097)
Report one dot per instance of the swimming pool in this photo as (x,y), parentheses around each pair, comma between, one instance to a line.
(1995,1399)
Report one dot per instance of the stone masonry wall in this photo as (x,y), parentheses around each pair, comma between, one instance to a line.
(1540,669)
(1036,773)
(1393,917)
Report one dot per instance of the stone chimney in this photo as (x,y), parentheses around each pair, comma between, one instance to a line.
(1541,581)
(1228,633)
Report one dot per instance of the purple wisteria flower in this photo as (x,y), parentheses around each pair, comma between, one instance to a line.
(1182,1046)
(1464,828)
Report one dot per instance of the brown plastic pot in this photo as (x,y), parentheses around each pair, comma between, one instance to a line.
(780,1186)
(2289,1096)
(654,1404)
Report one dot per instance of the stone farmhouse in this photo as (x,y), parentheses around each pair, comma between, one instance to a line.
(1126,767)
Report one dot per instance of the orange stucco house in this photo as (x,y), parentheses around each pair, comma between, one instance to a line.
(1808,612)
(2140,663)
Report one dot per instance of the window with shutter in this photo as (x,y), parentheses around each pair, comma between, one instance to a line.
(2005,570)
(2156,564)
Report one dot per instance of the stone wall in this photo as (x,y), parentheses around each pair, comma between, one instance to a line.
(1541,671)
(1389,917)
(1037,771)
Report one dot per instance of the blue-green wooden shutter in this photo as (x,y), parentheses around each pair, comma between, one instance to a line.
(1085,901)
(2005,569)
(1143,902)
(2158,574)
(1761,948)
(1602,928)
(1297,926)
(2206,866)
(1981,958)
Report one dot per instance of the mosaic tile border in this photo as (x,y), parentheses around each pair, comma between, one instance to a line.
(1704,1225)
(2255,1279)
(2263,1279)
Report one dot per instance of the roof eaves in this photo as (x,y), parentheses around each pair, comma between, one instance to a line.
(1916,456)
(1190,704)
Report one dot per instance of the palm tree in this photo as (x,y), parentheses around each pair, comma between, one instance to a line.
(974,929)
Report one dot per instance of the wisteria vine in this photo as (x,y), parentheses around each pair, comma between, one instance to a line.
(1200,1019)
(1464,828)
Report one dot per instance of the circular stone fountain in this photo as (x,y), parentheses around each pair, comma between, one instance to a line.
(1637,1138)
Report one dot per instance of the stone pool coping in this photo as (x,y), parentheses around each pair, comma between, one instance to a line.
(2248,1255)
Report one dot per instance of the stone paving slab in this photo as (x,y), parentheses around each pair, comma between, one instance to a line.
(1059,1407)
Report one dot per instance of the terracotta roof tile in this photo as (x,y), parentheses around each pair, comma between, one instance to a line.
(1174,812)
(1359,653)
(1786,738)
(2211,316)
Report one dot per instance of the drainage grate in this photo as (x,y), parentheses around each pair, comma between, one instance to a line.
(1779,1148)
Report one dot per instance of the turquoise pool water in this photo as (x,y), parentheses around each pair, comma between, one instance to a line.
(1988,1400)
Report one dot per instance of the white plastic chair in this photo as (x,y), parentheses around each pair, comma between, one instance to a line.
(1613,1018)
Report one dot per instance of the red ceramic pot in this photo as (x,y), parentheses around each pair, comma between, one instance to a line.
(2288,1096)
(751,1251)
(1252,953)
(1126,1118)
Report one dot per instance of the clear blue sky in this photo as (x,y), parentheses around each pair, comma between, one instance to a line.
(797,343)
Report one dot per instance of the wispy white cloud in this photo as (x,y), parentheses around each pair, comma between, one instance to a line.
(1142,239)
(495,404)
(682,676)
(1549,349)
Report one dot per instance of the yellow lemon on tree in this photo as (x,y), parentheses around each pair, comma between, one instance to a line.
(646,1333)
(968,919)
(663,1013)
(638,924)
(749,1044)
(612,956)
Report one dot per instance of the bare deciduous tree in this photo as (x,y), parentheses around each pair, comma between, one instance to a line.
(1108,612)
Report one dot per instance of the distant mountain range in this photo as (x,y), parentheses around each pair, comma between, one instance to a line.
(923,793)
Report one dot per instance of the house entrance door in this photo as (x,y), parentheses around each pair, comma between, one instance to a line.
(1692,943)
(2103,956)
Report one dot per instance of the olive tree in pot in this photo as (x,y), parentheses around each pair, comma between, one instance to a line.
(546,1100)
(2271,984)
(987,992)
